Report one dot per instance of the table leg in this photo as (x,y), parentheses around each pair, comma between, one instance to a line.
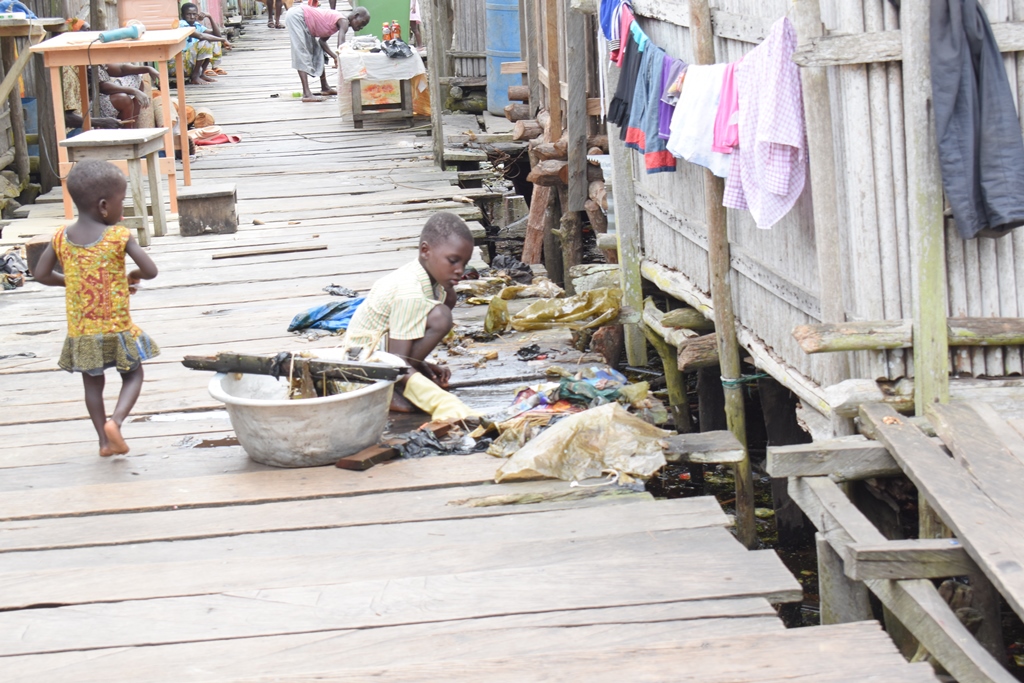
(165,101)
(57,95)
(155,195)
(139,199)
(406,87)
(186,167)
(83,85)
(357,103)
(7,46)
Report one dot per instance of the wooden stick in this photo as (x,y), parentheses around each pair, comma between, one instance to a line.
(898,334)
(272,365)
(699,352)
(267,251)
(721,295)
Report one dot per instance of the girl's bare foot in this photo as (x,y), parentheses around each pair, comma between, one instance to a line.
(400,404)
(117,443)
(106,451)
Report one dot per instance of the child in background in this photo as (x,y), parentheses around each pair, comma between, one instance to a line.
(101,334)
(413,307)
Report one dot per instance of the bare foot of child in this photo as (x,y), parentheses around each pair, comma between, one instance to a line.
(400,404)
(106,451)
(117,443)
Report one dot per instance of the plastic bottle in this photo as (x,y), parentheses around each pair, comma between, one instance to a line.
(396,30)
(387,31)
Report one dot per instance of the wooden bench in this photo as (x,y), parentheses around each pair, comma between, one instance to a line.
(128,146)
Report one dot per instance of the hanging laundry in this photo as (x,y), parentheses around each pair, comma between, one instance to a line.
(769,167)
(642,132)
(980,148)
(727,131)
(693,122)
(619,108)
(670,70)
(609,16)
(621,33)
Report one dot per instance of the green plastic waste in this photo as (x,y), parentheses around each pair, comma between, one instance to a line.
(590,309)
(496,320)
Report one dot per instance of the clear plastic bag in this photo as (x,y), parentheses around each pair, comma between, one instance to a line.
(588,444)
(590,309)
(496,320)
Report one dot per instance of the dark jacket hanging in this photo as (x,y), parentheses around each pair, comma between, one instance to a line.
(980,146)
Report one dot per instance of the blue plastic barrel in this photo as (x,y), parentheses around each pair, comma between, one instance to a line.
(502,46)
(31,113)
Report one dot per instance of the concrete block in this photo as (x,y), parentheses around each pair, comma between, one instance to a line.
(207,209)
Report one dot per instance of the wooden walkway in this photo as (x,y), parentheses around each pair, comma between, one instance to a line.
(185,561)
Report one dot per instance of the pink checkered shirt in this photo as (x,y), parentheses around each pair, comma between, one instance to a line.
(769,167)
(322,23)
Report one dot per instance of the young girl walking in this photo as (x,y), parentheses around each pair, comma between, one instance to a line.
(101,334)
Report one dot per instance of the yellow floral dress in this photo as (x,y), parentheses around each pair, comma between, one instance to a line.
(101,334)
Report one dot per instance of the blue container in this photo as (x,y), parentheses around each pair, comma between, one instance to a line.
(28,106)
(502,46)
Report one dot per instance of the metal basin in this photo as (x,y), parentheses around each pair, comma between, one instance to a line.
(275,430)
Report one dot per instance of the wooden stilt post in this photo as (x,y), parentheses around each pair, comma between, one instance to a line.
(528,8)
(721,296)
(435,12)
(576,108)
(622,205)
(821,155)
(924,189)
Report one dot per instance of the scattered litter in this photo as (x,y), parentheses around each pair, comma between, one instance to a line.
(542,288)
(23,354)
(338,290)
(531,352)
(333,317)
(513,268)
(12,280)
(13,264)
(478,288)
(497,318)
(589,444)
(257,221)
(423,443)
(294,222)
(590,309)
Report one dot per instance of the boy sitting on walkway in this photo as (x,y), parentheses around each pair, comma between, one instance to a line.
(203,48)
(413,307)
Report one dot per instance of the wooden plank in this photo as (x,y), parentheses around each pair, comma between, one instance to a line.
(847,458)
(925,558)
(576,121)
(705,447)
(842,600)
(552,39)
(886,46)
(292,655)
(460,588)
(989,528)
(511,68)
(915,602)
(246,488)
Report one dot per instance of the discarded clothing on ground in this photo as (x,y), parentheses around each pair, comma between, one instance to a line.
(423,443)
(333,317)
(590,309)
(12,263)
(588,445)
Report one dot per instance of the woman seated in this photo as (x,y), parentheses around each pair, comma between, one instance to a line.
(121,94)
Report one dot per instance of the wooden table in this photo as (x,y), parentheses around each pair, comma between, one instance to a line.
(10,31)
(83,49)
(130,145)
(358,67)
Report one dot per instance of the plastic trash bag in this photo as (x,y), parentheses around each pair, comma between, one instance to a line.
(334,316)
(587,444)
(541,288)
(590,309)
(396,48)
(496,320)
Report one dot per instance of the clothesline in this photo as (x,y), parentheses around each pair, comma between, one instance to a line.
(743,120)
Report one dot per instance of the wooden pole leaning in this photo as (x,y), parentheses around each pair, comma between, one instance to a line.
(721,295)
(435,69)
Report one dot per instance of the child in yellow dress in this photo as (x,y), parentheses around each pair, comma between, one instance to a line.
(101,334)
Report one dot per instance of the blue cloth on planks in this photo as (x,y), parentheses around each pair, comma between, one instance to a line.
(333,317)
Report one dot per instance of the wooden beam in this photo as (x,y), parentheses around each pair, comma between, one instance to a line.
(433,13)
(513,68)
(718,446)
(552,38)
(885,46)
(898,334)
(927,229)
(721,294)
(266,251)
(848,458)
(674,381)
(915,602)
(841,599)
(531,53)
(1006,393)
(922,558)
(576,121)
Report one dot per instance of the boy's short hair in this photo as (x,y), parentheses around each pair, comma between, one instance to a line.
(92,180)
(445,226)
(187,6)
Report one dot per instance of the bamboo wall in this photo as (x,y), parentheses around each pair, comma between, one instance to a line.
(470,38)
(775,272)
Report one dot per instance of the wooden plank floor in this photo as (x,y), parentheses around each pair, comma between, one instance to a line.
(185,561)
